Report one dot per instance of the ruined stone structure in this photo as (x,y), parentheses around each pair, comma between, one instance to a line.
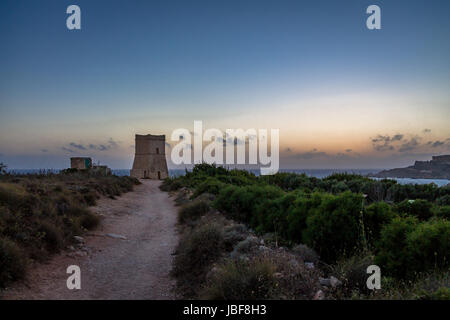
(80,163)
(150,157)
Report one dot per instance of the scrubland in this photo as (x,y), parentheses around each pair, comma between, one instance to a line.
(41,213)
(290,236)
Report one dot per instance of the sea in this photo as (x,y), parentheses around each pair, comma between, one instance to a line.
(318,173)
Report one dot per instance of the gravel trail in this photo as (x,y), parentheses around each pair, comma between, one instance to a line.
(129,256)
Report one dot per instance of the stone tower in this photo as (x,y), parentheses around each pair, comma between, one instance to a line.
(150,157)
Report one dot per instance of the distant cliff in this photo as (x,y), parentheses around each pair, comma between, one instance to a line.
(437,168)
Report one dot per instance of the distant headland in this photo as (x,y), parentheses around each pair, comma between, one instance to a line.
(437,168)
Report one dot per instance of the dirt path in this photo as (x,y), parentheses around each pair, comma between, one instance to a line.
(112,267)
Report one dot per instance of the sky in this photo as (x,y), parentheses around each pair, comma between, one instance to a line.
(342,96)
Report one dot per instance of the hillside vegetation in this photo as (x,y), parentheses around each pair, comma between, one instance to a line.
(239,228)
(40,214)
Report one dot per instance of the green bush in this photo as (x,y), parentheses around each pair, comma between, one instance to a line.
(419,208)
(442,293)
(375,217)
(271,215)
(442,212)
(193,210)
(429,245)
(334,229)
(444,200)
(339,187)
(303,206)
(407,246)
(393,252)
(210,185)
(240,203)
(12,262)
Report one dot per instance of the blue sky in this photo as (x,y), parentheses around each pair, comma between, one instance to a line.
(310,68)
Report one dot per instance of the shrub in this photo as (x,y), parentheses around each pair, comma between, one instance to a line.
(195,252)
(442,293)
(334,229)
(375,217)
(3,168)
(52,236)
(245,246)
(210,185)
(444,200)
(418,208)
(442,212)
(90,198)
(241,280)
(393,253)
(171,184)
(429,245)
(89,220)
(233,234)
(303,206)
(12,262)
(339,187)
(353,273)
(239,203)
(306,253)
(271,215)
(192,210)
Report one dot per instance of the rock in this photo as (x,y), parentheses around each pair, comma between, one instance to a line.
(263,248)
(335,282)
(294,263)
(77,254)
(278,275)
(261,242)
(79,239)
(115,236)
(211,273)
(80,253)
(71,248)
(309,265)
(319,295)
(325,282)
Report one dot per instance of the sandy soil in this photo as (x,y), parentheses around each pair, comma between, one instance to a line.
(112,267)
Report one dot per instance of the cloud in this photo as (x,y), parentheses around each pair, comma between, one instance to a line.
(311,154)
(410,145)
(77,146)
(67,149)
(384,143)
(44,150)
(437,144)
(397,137)
(110,144)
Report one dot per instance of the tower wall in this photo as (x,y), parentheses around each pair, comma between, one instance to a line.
(150,157)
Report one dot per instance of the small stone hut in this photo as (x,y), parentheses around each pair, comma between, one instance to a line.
(81,163)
